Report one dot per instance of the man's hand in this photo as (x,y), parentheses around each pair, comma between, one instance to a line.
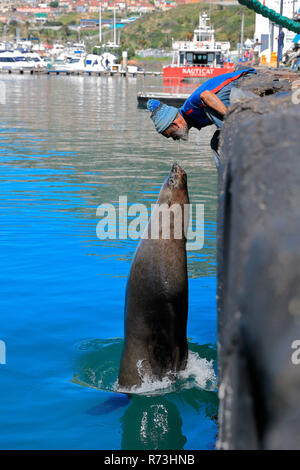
(210,99)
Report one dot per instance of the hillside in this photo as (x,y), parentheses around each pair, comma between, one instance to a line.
(156,30)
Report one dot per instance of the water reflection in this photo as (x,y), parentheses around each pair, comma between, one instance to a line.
(152,420)
(152,423)
(86,151)
(155,423)
(68,144)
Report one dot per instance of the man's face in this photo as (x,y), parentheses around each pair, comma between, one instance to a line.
(178,129)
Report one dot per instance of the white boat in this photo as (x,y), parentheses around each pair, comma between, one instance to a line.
(23,45)
(71,64)
(57,49)
(78,48)
(93,63)
(24,62)
(109,62)
(39,62)
(7,61)
(71,59)
(69,49)
(12,60)
(105,62)
(39,48)
(5,46)
(203,57)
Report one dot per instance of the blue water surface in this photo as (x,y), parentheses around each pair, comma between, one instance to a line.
(67,145)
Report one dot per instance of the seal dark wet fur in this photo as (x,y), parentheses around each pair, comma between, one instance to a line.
(156,307)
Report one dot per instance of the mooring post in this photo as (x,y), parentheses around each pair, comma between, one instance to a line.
(280,39)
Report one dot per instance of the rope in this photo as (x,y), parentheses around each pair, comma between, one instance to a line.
(272,15)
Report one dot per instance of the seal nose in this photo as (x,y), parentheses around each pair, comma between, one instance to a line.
(177,174)
(175,168)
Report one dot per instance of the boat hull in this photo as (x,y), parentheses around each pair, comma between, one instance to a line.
(179,73)
(171,99)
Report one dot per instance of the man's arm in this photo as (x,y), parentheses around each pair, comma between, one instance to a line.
(210,99)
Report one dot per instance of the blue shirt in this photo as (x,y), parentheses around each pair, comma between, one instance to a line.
(194,110)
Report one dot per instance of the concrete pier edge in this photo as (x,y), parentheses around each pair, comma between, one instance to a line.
(258,257)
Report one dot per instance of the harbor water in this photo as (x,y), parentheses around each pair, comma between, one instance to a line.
(67,145)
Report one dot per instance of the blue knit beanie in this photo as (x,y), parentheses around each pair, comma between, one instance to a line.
(162,114)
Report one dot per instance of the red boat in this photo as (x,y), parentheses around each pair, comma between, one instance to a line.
(201,58)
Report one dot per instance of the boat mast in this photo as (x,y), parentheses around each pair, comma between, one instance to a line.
(114,24)
(242,35)
(100,22)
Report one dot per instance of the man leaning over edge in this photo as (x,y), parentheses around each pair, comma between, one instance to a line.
(207,105)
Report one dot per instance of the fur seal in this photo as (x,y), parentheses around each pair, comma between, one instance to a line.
(156,305)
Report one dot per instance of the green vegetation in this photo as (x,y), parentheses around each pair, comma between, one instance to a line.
(156,30)
(70,18)
(153,30)
(74,18)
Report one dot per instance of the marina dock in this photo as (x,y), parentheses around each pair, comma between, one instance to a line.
(82,73)
(173,99)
